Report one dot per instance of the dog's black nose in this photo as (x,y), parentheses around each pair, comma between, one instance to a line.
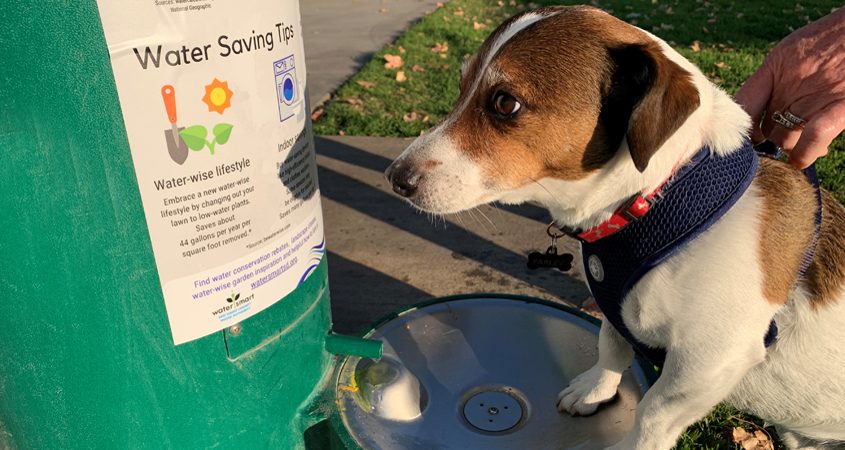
(403,180)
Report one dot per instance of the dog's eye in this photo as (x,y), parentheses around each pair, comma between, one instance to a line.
(505,104)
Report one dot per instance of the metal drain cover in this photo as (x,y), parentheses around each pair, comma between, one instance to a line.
(487,371)
(492,411)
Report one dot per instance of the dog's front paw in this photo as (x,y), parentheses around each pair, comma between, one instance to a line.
(587,391)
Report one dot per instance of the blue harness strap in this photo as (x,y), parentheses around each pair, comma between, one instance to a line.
(813,178)
(700,193)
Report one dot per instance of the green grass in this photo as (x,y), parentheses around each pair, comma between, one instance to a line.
(714,431)
(732,38)
(727,39)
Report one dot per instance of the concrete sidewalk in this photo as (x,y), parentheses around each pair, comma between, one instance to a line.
(384,255)
(341,35)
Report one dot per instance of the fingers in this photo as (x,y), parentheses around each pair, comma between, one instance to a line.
(780,135)
(817,135)
(754,96)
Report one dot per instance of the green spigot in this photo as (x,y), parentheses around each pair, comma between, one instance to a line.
(339,344)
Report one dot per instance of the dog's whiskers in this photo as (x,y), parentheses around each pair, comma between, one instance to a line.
(499,211)
(460,219)
(469,213)
(551,196)
(495,228)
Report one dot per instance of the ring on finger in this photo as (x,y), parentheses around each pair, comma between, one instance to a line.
(794,119)
(788,120)
(781,120)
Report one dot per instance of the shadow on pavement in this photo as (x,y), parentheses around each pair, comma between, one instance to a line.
(366,294)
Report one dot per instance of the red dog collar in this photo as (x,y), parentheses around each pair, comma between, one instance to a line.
(635,208)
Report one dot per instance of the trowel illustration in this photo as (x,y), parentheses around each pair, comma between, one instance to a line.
(175,145)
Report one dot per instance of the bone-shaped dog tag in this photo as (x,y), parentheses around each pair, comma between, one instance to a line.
(550,259)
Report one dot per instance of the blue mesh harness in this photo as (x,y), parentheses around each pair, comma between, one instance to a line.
(699,194)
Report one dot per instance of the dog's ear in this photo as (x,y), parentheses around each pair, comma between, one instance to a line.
(647,99)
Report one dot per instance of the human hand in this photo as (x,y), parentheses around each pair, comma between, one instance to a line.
(804,75)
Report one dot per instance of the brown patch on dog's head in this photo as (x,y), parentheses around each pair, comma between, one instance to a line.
(669,97)
(584,81)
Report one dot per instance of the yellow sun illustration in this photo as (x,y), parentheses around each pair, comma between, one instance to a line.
(218,97)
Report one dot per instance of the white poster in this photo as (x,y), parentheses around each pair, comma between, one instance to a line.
(213,99)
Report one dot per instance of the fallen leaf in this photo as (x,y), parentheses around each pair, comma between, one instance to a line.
(425,119)
(738,434)
(444,56)
(393,61)
(591,307)
(439,4)
(500,3)
(478,26)
(401,49)
(366,84)
(417,68)
(317,113)
(711,21)
(400,76)
(440,48)
(355,101)
(751,441)
(410,117)
(696,46)
(458,12)
(720,64)
(341,133)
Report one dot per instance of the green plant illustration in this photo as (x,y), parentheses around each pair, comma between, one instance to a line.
(195,136)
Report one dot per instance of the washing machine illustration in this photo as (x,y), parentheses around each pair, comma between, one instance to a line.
(288,96)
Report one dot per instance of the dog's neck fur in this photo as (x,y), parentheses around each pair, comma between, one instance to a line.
(718,123)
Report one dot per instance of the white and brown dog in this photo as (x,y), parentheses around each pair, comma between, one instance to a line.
(577,111)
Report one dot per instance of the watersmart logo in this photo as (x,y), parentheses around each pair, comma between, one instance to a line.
(236,305)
